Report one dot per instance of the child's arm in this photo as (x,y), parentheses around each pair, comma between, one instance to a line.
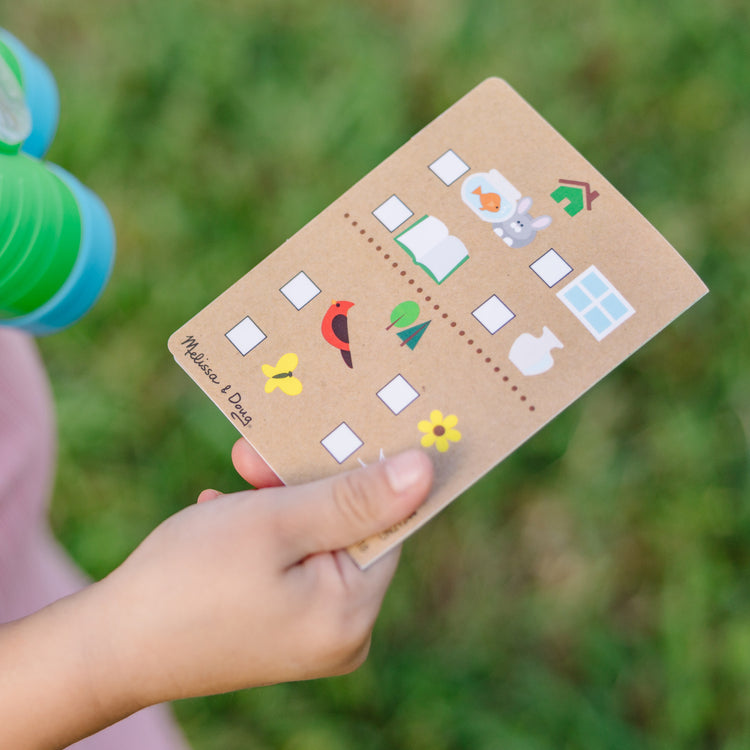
(245,590)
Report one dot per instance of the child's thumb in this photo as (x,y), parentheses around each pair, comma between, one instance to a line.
(344,509)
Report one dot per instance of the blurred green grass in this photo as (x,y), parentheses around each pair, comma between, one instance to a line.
(590,592)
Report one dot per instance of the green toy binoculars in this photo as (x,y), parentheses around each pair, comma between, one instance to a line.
(57,241)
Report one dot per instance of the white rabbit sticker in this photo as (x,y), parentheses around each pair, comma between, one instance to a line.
(521,228)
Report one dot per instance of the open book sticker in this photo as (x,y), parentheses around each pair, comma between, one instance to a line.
(486,244)
(431,246)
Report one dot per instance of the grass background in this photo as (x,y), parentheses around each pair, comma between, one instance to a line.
(592,591)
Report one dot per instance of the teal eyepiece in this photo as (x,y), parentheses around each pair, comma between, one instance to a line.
(57,241)
(39,93)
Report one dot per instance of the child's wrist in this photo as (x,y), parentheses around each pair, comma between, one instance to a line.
(60,679)
(116,679)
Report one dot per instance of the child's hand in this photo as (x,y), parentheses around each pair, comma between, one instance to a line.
(253,588)
(246,589)
(251,467)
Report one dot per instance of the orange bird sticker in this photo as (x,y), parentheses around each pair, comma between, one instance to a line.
(335,328)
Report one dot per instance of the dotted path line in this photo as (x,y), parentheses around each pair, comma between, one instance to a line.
(436,307)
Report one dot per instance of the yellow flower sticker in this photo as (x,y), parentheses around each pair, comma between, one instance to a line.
(439,431)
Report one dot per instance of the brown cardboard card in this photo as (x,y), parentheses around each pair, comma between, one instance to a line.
(458,297)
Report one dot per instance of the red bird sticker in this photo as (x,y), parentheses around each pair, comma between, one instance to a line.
(335,328)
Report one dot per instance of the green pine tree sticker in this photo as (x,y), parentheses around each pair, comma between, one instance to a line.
(411,336)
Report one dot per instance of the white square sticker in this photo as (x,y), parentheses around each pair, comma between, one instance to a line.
(493,314)
(550,268)
(449,167)
(245,336)
(342,442)
(397,394)
(393,213)
(300,290)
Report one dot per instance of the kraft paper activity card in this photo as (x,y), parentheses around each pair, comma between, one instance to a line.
(458,297)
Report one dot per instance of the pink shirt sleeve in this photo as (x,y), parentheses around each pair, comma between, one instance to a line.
(27,435)
(27,452)
(34,570)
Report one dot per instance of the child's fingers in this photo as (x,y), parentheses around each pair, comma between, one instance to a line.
(251,467)
(339,511)
(379,573)
(208,495)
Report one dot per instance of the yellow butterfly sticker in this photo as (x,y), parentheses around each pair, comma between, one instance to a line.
(282,375)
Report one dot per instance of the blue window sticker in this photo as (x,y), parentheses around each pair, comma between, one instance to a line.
(578,298)
(611,303)
(597,320)
(593,283)
(596,303)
